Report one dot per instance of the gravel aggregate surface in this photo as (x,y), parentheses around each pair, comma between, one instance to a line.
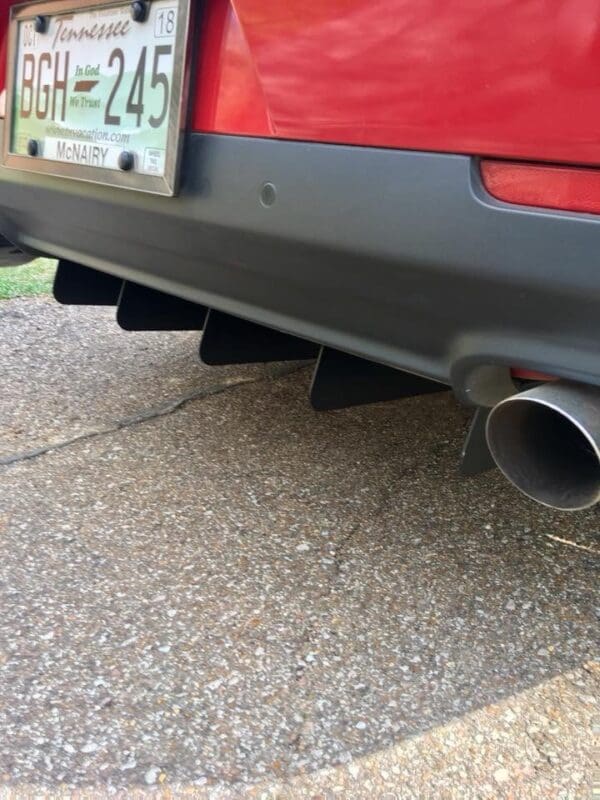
(209,589)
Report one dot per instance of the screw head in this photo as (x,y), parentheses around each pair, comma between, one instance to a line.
(33,147)
(139,10)
(126,160)
(40,24)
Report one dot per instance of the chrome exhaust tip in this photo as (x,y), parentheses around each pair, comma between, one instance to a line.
(546,441)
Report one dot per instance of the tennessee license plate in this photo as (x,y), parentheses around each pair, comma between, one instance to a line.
(96,91)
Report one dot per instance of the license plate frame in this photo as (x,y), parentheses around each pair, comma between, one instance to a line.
(166,184)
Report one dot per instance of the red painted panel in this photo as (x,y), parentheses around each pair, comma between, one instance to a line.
(512,78)
(568,188)
(4,13)
(228,93)
(531,375)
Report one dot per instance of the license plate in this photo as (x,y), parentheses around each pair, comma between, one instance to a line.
(96,91)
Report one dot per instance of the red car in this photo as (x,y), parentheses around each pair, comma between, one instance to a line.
(405,190)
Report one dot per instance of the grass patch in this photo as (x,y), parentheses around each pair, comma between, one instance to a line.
(29,280)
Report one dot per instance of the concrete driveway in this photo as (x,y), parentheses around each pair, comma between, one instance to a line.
(208,589)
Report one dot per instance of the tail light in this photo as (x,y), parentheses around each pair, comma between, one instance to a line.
(547,186)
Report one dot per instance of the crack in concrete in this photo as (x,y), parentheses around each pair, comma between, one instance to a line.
(310,631)
(339,552)
(542,756)
(311,627)
(163,410)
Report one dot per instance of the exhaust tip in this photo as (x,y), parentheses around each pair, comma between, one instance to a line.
(539,443)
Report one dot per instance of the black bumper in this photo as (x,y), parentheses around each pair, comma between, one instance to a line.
(397,256)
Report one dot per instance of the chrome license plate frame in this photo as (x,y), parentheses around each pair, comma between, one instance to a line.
(163,184)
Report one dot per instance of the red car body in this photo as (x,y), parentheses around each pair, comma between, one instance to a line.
(508,78)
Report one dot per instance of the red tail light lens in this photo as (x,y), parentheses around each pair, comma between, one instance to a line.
(566,188)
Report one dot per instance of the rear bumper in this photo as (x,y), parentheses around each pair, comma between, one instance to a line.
(397,256)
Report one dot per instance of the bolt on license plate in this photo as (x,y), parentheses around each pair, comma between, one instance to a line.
(96,91)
